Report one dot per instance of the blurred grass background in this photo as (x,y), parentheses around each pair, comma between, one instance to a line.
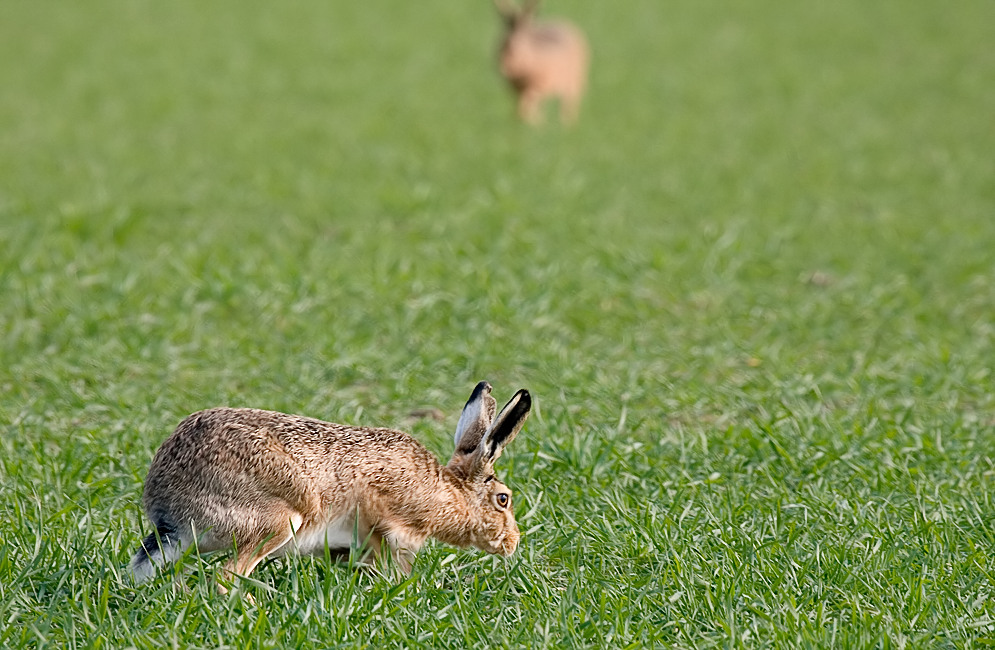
(752,291)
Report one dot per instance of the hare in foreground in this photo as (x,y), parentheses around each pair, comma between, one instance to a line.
(268,483)
(542,59)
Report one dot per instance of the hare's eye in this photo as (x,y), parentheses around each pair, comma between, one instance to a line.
(502,500)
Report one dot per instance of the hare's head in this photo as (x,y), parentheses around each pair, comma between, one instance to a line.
(480,439)
(517,56)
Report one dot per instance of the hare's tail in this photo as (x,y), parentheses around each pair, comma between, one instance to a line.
(158,549)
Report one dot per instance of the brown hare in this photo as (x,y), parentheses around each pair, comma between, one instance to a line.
(541,60)
(268,483)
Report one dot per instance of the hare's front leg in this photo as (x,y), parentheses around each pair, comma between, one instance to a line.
(404,559)
(529,106)
(391,555)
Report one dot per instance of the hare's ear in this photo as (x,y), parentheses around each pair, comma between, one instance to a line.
(506,8)
(475,419)
(505,427)
(529,8)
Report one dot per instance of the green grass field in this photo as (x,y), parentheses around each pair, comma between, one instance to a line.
(752,292)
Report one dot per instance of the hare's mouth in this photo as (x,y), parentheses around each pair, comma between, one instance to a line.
(504,545)
(497,544)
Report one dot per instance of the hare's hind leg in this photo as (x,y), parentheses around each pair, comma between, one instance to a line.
(570,104)
(256,545)
(569,110)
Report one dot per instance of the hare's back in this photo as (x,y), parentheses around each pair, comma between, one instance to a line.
(241,437)
(225,456)
(555,35)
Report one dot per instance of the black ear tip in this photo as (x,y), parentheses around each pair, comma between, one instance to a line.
(525,399)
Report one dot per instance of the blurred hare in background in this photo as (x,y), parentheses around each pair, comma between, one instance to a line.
(542,59)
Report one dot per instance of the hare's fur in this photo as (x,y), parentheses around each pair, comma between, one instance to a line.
(267,483)
(541,60)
